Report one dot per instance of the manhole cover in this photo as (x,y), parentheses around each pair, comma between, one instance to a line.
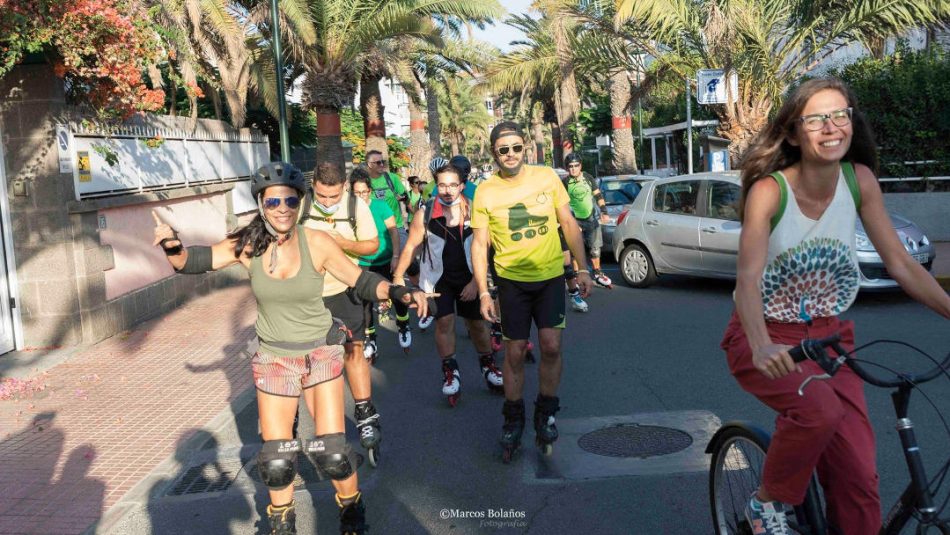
(632,440)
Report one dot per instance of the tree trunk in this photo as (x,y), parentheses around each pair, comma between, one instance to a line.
(215,98)
(569,102)
(329,142)
(557,148)
(537,134)
(454,143)
(624,159)
(374,118)
(418,139)
(435,122)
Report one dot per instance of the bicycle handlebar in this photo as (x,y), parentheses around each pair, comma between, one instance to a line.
(814,349)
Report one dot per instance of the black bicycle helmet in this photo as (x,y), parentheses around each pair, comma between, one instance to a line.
(572,158)
(278,174)
(462,164)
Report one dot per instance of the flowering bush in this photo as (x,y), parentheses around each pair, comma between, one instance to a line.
(101,46)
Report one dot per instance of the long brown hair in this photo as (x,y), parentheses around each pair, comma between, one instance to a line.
(770,151)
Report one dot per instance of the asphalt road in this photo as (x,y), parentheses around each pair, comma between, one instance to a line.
(647,356)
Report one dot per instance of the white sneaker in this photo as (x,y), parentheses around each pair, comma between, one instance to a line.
(767,518)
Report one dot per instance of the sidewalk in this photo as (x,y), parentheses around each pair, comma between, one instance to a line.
(87,430)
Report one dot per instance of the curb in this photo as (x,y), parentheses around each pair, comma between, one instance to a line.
(138,496)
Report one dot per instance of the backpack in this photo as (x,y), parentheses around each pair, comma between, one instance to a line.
(392,187)
(350,210)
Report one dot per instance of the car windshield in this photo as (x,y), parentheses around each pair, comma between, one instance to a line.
(619,191)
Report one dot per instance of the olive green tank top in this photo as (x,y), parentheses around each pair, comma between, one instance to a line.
(290,310)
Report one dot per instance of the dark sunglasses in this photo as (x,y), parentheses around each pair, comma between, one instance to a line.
(502,151)
(378,162)
(271,203)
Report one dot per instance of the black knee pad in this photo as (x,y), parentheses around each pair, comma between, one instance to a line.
(332,455)
(277,462)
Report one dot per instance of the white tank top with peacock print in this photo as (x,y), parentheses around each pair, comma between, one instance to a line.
(812,269)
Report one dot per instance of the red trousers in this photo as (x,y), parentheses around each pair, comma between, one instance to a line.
(826,430)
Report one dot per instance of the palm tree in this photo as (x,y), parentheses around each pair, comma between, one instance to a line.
(769,45)
(563,33)
(464,111)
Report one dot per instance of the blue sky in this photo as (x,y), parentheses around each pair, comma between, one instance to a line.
(500,34)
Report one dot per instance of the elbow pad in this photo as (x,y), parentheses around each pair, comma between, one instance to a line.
(198,261)
(366,284)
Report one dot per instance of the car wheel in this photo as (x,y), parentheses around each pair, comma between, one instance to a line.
(636,266)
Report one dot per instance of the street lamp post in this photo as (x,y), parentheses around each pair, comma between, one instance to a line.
(640,119)
(689,127)
(281,98)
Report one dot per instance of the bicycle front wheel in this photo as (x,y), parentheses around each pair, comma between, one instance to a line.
(735,473)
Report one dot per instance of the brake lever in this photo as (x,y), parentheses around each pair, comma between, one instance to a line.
(822,377)
(835,365)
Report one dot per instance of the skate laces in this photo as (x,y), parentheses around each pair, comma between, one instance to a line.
(767,518)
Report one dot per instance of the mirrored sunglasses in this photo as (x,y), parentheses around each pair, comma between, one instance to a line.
(271,203)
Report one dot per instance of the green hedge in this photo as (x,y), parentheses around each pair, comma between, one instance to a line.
(906,98)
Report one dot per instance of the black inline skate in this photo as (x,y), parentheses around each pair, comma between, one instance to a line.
(352,515)
(367,423)
(544,425)
(512,429)
(283,519)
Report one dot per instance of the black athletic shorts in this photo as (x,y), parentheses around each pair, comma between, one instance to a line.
(522,302)
(450,302)
(342,307)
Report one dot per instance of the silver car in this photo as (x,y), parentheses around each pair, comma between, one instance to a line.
(618,191)
(689,225)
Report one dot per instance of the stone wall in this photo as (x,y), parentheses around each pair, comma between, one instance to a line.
(60,259)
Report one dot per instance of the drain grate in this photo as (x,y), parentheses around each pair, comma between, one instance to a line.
(633,440)
(215,476)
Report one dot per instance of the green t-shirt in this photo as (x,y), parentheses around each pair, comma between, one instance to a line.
(382,192)
(582,196)
(414,199)
(383,255)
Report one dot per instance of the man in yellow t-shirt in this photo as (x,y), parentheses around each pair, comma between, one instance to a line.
(349,221)
(519,211)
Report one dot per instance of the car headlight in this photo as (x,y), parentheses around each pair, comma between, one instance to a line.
(863,243)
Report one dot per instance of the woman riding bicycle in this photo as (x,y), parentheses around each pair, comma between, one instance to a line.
(301,351)
(805,180)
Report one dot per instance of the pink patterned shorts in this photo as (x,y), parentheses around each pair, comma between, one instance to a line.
(290,376)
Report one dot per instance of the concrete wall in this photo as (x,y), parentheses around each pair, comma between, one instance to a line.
(75,281)
(931,211)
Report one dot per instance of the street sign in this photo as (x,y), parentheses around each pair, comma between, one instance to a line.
(711,86)
(64,152)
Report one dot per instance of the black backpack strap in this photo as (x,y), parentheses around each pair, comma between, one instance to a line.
(351,210)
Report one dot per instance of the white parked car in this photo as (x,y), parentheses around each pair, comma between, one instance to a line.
(689,225)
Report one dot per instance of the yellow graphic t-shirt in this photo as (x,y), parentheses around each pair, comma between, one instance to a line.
(521,217)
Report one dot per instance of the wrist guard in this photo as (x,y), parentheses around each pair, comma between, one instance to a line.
(396,293)
(198,260)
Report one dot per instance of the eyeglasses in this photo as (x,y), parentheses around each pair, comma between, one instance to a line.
(361,193)
(448,186)
(272,203)
(378,162)
(816,121)
(570,165)
(517,148)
